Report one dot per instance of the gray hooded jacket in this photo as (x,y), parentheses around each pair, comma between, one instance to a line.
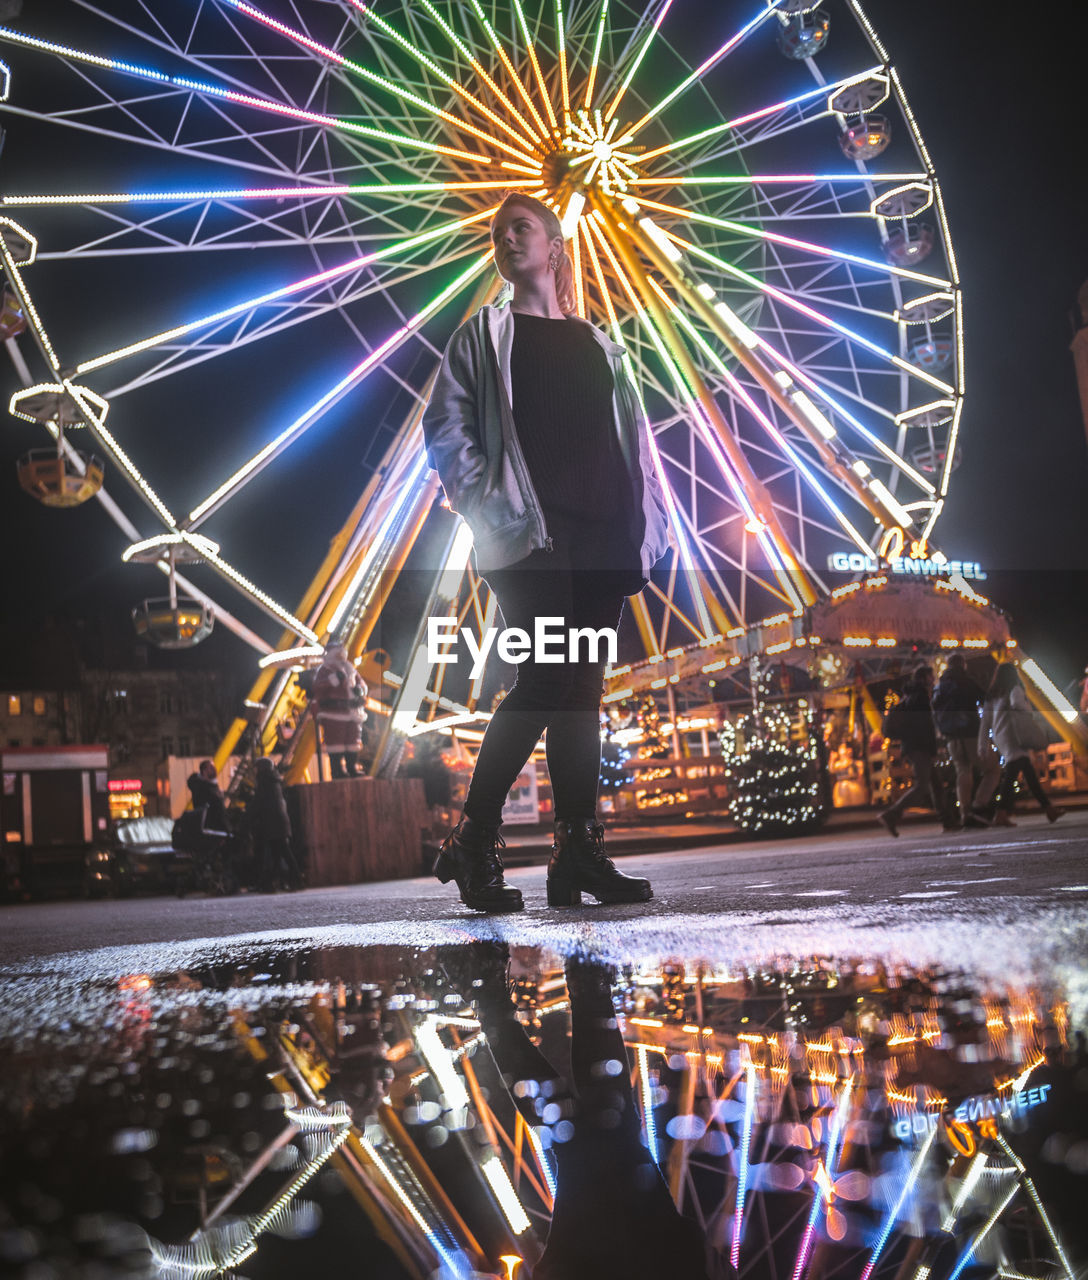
(468,427)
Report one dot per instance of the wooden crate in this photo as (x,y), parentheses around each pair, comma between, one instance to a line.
(352,830)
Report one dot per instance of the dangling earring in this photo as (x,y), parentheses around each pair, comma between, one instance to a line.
(553,262)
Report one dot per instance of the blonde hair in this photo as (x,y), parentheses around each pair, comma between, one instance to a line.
(564,267)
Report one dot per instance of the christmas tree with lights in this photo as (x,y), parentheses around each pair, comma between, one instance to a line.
(773,764)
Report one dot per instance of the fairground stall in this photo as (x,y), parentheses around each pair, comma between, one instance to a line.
(797,701)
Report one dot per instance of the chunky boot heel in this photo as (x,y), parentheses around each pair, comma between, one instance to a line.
(444,866)
(579,865)
(562,893)
(470,855)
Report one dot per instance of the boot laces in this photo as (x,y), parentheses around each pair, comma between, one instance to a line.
(596,851)
(492,856)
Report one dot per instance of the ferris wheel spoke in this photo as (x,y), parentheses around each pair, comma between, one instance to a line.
(803,246)
(380,190)
(632,71)
(715,58)
(275,447)
(477,67)
(538,75)
(155,141)
(786,449)
(318,280)
(746,488)
(870,491)
(238,332)
(541,129)
(595,57)
(211,92)
(389,86)
(812,313)
(523,137)
(675,508)
(184,44)
(761,113)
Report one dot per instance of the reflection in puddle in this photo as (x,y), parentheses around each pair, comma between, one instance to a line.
(479,1110)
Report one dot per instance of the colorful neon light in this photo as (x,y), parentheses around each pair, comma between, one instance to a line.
(625,84)
(390,189)
(751,116)
(893,1213)
(319,278)
(232,95)
(742,1169)
(703,68)
(306,419)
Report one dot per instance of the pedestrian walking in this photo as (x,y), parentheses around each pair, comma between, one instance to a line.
(340,693)
(538,436)
(918,734)
(1008,720)
(956,710)
(270,829)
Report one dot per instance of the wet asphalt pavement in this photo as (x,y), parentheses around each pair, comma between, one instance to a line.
(785,1064)
(999,897)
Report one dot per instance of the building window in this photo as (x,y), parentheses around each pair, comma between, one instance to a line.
(119,699)
(15,742)
(15,704)
(166,703)
(167,747)
(183,747)
(39,705)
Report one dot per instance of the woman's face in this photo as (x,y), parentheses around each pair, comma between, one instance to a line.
(522,246)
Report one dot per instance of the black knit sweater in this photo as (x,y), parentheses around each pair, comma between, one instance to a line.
(562,390)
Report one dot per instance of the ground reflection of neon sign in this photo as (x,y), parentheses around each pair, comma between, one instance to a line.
(973,1110)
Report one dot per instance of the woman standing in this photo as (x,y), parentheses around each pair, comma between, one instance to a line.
(1008,717)
(536,431)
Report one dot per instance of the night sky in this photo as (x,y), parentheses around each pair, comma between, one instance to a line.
(995,92)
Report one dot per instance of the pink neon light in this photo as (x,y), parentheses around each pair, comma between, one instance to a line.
(802,1257)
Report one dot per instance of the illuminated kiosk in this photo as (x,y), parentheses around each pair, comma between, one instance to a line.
(753,240)
(838,657)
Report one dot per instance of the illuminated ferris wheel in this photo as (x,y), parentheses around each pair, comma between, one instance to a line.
(751,209)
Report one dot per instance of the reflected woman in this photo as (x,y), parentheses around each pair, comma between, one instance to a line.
(538,436)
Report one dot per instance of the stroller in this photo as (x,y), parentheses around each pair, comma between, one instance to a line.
(211,855)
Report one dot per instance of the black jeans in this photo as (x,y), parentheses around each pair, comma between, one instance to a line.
(561,698)
(1020,766)
(923,791)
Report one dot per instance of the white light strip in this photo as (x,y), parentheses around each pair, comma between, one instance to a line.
(286,656)
(440,1063)
(494,1171)
(1049,690)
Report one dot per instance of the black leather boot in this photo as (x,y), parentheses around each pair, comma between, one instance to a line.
(470,855)
(579,865)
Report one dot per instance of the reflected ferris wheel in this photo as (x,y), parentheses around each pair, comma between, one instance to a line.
(751,209)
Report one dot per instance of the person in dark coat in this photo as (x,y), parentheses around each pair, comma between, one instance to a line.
(271,830)
(956,705)
(918,735)
(206,793)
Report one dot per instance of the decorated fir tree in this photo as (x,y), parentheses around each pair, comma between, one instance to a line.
(772,762)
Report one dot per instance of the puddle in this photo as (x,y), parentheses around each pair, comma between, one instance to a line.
(485,1109)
